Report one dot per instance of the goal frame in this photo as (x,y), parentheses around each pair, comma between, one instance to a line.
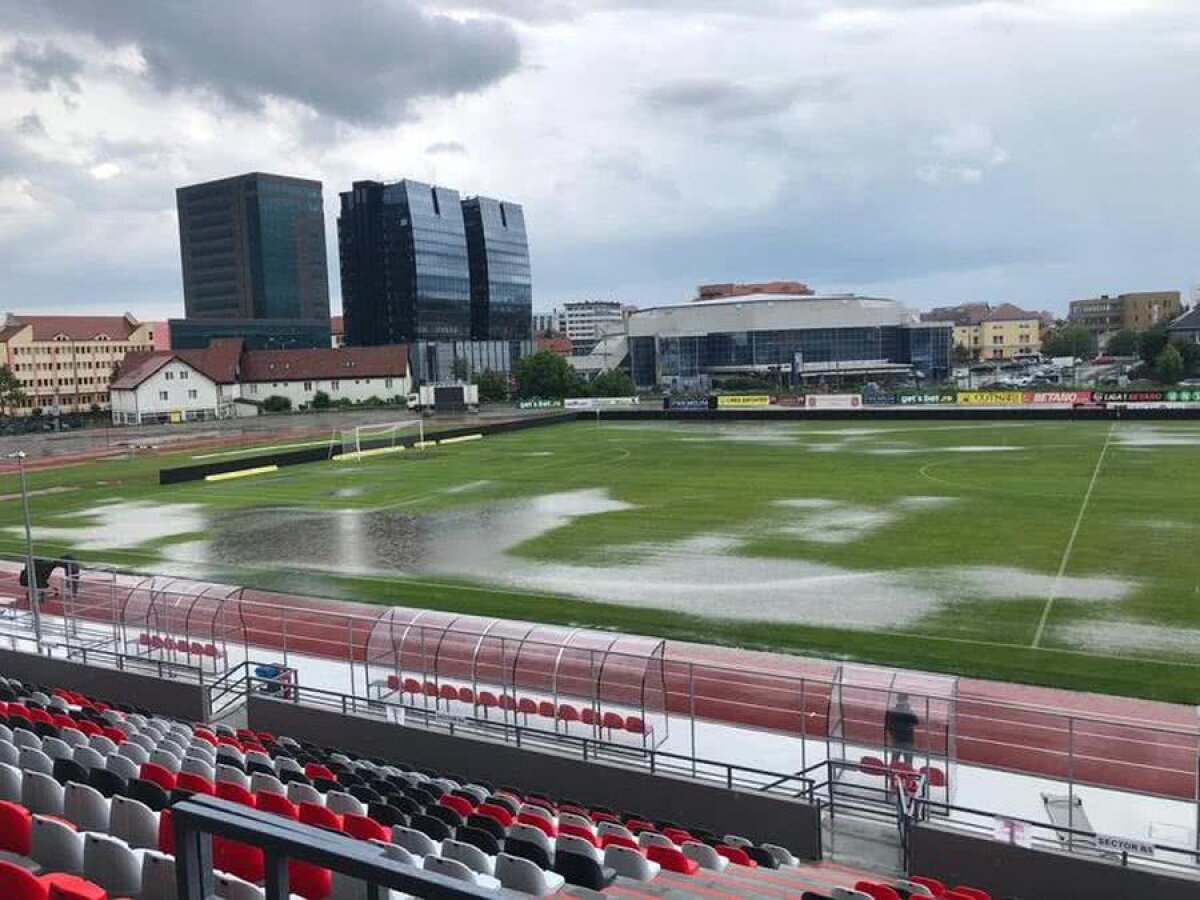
(372,438)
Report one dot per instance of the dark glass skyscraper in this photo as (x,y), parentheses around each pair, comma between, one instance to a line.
(405,276)
(253,247)
(501,284)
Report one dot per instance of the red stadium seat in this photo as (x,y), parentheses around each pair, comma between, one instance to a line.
(235,793)
(309,881)
(576,810)
(16,828)
(17,883)
(678,835)
(873,765)
(672,860)
(276,804)
(197,648)
(547,828)
(587,715)
(86,726)
(245,734)
(166,833)
(613,721)
(315,814)
(507,703)
(161,776)
(877,891)
(487,700)
(546,709)
(933,775)
(211,650)
(620,840)
(197,784)
(639,825)
(459,804)
(466,695)
(738,856)
(228,740)
(71,887)
(412,686)
(430,689)
(448,692)
(567,713)
(365,828)
(580,832)
(241,860)
(527,706)
(935,887)
(496,813)
(206,736)
(393,682)
(316,770)
(605,817)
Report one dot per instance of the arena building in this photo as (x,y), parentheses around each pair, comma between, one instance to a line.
(809,337)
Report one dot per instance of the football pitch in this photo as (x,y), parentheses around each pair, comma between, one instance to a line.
(1060,553)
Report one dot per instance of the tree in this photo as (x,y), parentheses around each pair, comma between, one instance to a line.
(10,390)
(1153,341)
(1070,340)
(1191,359)
(1124,343)
(613,383)
(963,354)
(277,403)
(321,400)
(1168,365)
(458,369)
(547,375)
(493,386)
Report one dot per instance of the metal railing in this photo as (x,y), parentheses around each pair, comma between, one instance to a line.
(199,819)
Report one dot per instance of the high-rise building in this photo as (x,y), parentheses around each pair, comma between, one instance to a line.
(586,319)
(253,247)
(498,255)
(404,268)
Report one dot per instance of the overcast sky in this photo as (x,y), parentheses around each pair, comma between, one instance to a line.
(936,151)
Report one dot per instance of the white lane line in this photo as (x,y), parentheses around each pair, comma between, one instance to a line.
(1066,557)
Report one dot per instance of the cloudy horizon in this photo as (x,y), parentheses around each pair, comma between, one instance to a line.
(935,151)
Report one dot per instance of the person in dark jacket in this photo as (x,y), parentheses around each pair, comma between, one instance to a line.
(901,723)
(71,571)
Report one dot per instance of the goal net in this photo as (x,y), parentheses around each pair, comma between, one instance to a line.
(377,439)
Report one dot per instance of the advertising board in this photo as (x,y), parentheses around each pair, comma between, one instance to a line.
(991,398)
(742,401)
(833,401)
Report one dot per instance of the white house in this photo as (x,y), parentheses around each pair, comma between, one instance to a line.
(224,380)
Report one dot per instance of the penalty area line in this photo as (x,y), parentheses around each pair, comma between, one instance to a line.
(1066,557)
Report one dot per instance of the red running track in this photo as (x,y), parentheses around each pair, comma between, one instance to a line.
(1117,742)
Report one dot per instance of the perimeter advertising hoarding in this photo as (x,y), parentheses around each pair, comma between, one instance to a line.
(833,401)
(687,404)
(539,404)
(1130,396)
(927,399)
(1069,398)
(1183,396)
(991,398)
(598,402)
(742,401)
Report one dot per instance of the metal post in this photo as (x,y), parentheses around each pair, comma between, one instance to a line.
(30,569)
(803,728)
(692,710)
(1071,783)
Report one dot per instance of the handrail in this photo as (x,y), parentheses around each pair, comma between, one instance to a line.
(198,819)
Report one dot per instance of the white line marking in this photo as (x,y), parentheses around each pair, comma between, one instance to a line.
(1062,566)
(262,449)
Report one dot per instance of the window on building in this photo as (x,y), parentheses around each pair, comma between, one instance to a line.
(192,394)
(162,395)
(183,375)
(169,376)
(308,385)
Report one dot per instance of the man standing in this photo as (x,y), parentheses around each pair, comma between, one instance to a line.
(901,723)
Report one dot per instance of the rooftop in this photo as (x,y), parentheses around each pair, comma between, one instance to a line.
(75,328)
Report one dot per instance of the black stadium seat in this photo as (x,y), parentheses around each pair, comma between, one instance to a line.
(434,828)
(527,850)
(486,824)
(444,814)
(68,770)
(107,783)
(583,871)
(149,793)
(762,857)
(486,841)
(387,815)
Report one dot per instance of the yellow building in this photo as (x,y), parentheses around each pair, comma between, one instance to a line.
(983,331)
(65,363)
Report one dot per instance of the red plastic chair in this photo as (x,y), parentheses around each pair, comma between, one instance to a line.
(546,709)
(567,713)
(587,715)
(116,735)
(672,860)
(580,832)
(613,721)
(72,887)
(16,828)
(527,706)
(245,734)
(235,793)
(207,736)
(229,740)
(276,804)
(197,784)
(316,770)
(496,813)
(635,725)
(161,776)
(639,825)
(40,715)
(166,833)
(620,840)
(507,703)
(935,887)
(605,817)
(315,814)
(547,828)
(393,682)
(448,692)
(309,881)
(575,810)
(738,856)
(17,883)
(431,689)
(487,700)
(460,805)
(678,835)
(873,765)
(241,860)
(365,828)
(934,776)
(412,686)
(466,695)
(85,725)
(877,891)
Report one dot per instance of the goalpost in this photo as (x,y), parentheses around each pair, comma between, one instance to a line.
(380,438)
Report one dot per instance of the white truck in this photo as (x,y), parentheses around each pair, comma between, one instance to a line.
(445,397)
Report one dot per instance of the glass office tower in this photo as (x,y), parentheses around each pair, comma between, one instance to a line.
(501,285)
(404,268)
(253,247)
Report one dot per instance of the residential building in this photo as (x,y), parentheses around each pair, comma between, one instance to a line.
(337,331)
(1105,315)
(803,337)
(498,259)
(986,332)
(65,363)
(224,380)
(584,319)
(252,249)
(732,289)
(553,322)
(1186,328)
(404,264)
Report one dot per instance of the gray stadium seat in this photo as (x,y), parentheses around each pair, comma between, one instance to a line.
(415,842)
(112,864)
(33,760)
(471,857)
(706,856)
(123,766)
(519,874)
(56,846)
(158,876)
(9,753)
(630,863)
(85,806)
(10,783)
(133,822)
(40,793)
(135,752)
(342,803)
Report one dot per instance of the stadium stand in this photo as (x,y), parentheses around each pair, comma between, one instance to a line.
(87,789)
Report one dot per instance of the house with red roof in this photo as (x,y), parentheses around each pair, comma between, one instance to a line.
(65,363)
(225,380)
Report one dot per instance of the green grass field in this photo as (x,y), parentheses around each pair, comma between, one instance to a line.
(1054,553)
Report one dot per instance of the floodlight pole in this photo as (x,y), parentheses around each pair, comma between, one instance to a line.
(30,568)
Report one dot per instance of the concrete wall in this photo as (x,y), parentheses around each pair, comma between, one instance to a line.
(1009,871)
(758,816)
(187,700)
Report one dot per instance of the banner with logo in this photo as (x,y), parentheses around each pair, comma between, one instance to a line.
(991,398)
(1065,398)
(833,401)
(742,401)
(927,399)
(1182,395)
(599,402)
(687,404)
(539,403)
(788,400)
(1130,396)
